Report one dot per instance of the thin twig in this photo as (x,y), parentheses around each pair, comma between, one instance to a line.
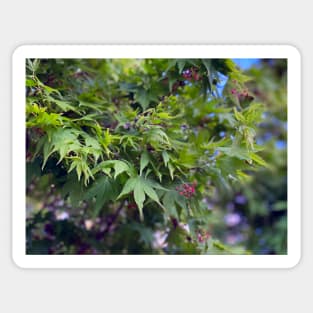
(113,218)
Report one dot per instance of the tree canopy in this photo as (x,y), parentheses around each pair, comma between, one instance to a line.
(136,156)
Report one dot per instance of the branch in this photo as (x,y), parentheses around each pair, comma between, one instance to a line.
(112,218)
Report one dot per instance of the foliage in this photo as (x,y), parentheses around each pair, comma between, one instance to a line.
(256,213)
(123,154)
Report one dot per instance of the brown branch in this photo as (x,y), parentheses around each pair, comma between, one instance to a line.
(113,217)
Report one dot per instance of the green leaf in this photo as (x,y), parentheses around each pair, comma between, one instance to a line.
(139,197)
(81,168)
(30,82)
(181,64)
(141,187)
(150,193)
(144,161)
(256,158)
(120,167)
(165,157)
(63,105)
(104,190)
(212,145)
(106,166)
(239,116)
(47,151)
(33,65)
(236,152)
(226,117)
(171,170)
(171,64)
(143,98)
(157,138)
(207,64)
(169,203)
(128,187)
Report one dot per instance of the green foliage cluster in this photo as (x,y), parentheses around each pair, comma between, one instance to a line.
(122,154)
(255,213)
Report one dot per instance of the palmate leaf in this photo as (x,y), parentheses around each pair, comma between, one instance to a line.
(213,145)
(128,187)
(237,152)
(243,154)
(157,138)
(253,114)
(139,196)
(129,141)
(62,141)
(118,166)
(32,65)
(45,120)
(169,204)
(141,187)
(144,161)
(38,117)
(173,200)
(63,105)
(150,193)
(103,190)
(81,167)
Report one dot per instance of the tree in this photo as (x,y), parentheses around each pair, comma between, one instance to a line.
(123,155)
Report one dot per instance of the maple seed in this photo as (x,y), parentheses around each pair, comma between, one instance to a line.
(187,190)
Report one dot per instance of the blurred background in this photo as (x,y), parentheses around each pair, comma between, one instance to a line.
(255,216)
